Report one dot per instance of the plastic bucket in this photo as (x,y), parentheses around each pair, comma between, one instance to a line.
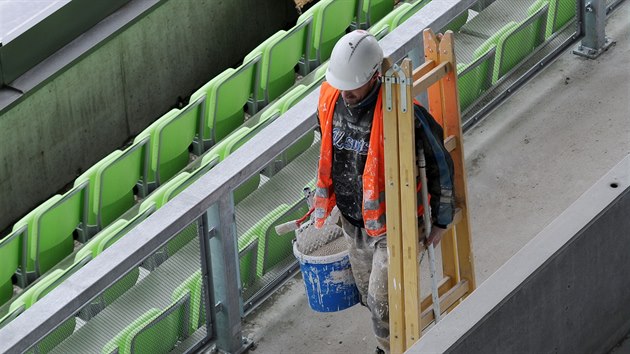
(328,280)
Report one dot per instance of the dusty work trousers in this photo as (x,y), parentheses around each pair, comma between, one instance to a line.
(368,258)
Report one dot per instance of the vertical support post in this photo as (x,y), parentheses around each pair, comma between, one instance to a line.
(225,310)
(595,41)
(408,203)
(205,233)
(463,266)
(392,200)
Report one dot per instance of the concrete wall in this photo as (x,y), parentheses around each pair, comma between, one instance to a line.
(69,123)
(567,291)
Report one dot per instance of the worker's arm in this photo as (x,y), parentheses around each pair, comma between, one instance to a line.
(430,139)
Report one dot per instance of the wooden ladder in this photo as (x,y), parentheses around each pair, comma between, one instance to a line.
(408,313)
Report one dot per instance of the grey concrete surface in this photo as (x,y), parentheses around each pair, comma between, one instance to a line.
(566,291)
(66,125)
(527,162)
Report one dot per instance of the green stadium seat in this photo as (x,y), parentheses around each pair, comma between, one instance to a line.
(248,258)
(225,97)
(280,54)
(161,334)
(117,344)
(331,19)
(155,331)
(112,182)
(259,231)
(193,286)
(474,68)
(50,230)
(13,256)
(372,11)
(520,41)
(560,13)
(170,137)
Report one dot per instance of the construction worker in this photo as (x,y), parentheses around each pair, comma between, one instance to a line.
(351,168)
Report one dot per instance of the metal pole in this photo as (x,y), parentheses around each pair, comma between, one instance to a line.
(435,296)
(225,279)
(595,41)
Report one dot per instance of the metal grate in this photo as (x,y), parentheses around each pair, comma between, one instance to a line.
(154,308)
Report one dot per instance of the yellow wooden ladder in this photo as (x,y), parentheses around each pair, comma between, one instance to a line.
(408,313)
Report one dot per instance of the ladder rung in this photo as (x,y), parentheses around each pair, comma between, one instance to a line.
(430,78)
(423,69)
(450,143)
(444,285)
(446,301)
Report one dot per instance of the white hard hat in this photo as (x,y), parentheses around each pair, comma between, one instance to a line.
(354,60)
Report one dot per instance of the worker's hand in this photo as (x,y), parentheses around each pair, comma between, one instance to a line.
(436,236)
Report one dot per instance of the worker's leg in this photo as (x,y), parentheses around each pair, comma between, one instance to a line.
(377,295)
(360,257)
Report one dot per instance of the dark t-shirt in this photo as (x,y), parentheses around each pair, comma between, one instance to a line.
(351,141)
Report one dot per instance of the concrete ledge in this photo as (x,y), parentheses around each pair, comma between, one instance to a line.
(566,291)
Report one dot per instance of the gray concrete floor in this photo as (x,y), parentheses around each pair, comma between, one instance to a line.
(527,162)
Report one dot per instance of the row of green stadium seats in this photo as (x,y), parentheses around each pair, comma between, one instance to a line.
(108,189)
(111,301)
(115,229)
(500,37)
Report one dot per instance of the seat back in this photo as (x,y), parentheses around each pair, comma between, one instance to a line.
(174,136)
(12,255)
(225,98)
(248,258)
(193,286)
(51,238)
(150,132)
(118,344)
(475,77)
(259,231)
(560,13)
(90,176)
(516,44)
(373,11)
(336,16)
(279,59)
(160,333)
(112,190)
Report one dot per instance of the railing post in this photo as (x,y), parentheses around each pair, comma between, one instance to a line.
(225,308)
(593,24)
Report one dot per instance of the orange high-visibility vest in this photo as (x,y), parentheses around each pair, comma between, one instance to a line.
(373,175)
